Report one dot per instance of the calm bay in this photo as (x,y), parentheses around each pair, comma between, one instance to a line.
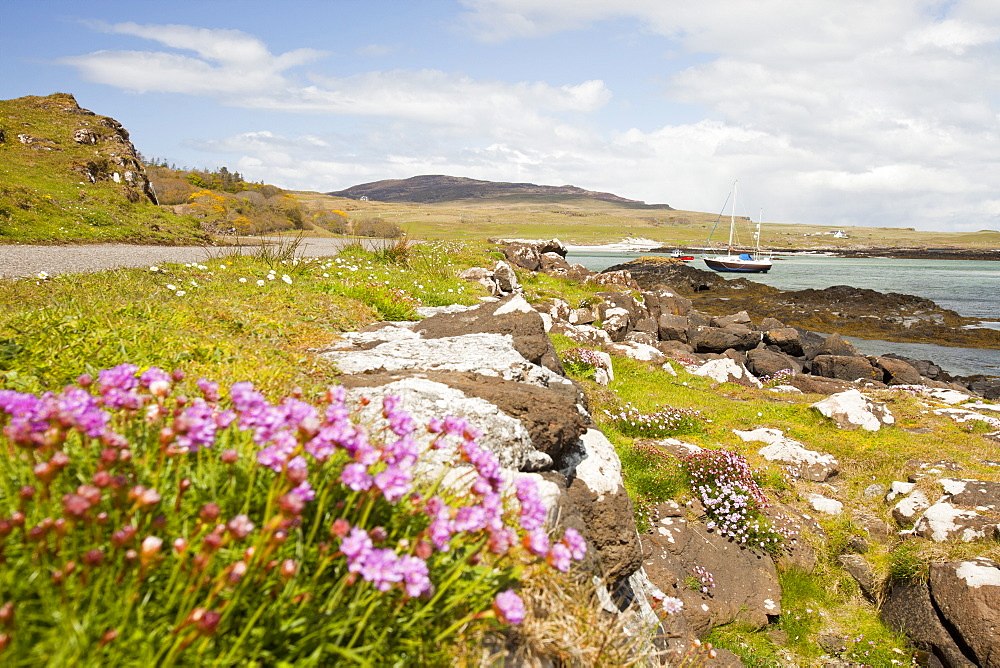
(970,288)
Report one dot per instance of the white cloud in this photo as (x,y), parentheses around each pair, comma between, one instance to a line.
(829,111)
(885,109)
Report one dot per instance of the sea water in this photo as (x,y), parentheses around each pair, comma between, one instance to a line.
(968,287)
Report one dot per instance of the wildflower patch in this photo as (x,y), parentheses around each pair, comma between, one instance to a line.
(147,520)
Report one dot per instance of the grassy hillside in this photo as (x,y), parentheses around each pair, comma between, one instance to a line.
(69,175)
(590,221)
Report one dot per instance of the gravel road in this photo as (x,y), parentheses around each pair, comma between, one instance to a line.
(23,260)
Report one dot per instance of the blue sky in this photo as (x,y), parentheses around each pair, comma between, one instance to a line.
(833,112)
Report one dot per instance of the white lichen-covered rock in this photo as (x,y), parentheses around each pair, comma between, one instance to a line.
(638,351)
(428,311)
(616,322)
(599,468)
(586,334)
(897,489)
(961,415)
(485,354)
(484,277)
(851,409)
(505,277)
(906,510)
(504,436)
(823,504)
(947,396)
(944,521)
(803,463)
(369,339)
(581,316)
(726,370)
(605,363)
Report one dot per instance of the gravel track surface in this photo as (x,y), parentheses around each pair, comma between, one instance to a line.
(22,260)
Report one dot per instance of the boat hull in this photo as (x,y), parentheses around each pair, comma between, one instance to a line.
(738,265)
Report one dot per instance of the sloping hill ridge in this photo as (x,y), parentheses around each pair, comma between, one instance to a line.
(434,188)
(70,175)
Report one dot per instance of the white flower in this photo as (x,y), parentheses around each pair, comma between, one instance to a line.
(326,275)
(286,278)
(271,277)
(260,282)
(171,286)
(672,605)
(154,268)
(180,293)
(42,275)
(242,280)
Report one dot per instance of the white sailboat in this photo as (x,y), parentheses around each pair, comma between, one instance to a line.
(734,260)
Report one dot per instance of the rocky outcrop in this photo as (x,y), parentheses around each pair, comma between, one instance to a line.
(848,310)
(744,583)
(952,615)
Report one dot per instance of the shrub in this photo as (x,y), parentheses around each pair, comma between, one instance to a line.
(148,522)
(377,227)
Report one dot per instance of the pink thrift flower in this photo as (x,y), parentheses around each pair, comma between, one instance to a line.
(576,543)
(537,542)
(509,607)
(355,475)
(559,557)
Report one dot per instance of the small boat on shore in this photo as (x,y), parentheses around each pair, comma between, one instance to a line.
(735,259)
(678,256)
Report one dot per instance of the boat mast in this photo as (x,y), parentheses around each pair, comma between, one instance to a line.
(760,219)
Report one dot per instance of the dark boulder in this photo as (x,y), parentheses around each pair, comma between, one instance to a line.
(764,362)
(967,594)
(746,581)
(844,367)
(665,302)
(523,255)
(834,345)
(553,263)
(908,608)
(786,339)
(896,372)
(741,318)
(672,327)
(719,340)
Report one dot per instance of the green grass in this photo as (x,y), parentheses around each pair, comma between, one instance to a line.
(46,198)
(52,331)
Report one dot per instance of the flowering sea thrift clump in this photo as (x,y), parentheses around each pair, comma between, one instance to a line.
(581,361)
(240,529)
(664,421)
(723,481)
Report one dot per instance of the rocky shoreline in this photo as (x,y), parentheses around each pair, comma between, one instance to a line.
(839,309)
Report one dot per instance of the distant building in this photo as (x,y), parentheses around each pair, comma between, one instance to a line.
(363,198)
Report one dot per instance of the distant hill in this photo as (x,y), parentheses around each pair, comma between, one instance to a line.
(435,188)
(70,175)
